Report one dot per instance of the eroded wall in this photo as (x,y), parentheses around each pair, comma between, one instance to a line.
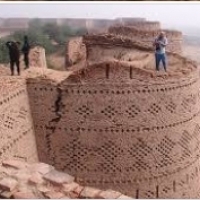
(37,57)
(76,51)
(142,25)
(16,127)
(148,36)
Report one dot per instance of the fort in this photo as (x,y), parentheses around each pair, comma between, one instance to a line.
(108,122)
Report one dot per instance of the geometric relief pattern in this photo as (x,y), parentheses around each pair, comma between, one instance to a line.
(9,122)
(14,117)
(109,111)
(171,106)
(133,111)
(139,152)
(164,148)
(186,104)
(184,143)
(74,155)
(107,154)
(154,109)
(84,111)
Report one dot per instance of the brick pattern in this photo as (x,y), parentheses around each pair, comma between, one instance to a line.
(103,139)
(113,125)
(38,184)
(16,125)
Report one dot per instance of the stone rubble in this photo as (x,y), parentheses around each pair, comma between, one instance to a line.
(20,180)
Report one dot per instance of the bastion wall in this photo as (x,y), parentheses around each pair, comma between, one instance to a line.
(114,125)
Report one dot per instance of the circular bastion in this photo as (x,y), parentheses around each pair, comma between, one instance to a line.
(118,124)
(140,137)
(128,128)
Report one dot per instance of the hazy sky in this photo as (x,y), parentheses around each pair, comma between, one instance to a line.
(167,13)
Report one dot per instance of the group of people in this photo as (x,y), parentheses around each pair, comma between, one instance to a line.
(14,54)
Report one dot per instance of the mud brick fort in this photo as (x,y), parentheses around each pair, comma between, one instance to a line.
(108,126)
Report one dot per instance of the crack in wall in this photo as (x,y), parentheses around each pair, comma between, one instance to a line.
(52,123)
(58,106)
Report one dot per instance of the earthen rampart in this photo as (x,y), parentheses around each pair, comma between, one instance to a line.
(174,37)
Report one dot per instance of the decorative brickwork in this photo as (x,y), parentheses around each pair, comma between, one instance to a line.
(132,130)
(16,127)
(111,122)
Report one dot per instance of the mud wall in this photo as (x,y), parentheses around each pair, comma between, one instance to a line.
(174,37)
(16,127)
(37,57)
(76,51)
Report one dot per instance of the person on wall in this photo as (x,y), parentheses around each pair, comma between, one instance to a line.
(160,55)
(14,54)
(25,51)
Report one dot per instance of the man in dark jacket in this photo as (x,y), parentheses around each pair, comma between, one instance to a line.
(25,50)
(14,54)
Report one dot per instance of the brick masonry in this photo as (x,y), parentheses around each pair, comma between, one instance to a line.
(131,130)
(112,123)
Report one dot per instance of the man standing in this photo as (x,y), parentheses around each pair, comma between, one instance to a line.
(160,43)
(25,50)
(14,54)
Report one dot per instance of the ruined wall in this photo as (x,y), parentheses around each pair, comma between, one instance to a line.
(146,25)
(76,51)
(114,126)
(37,57)
(16,127)
(174,37)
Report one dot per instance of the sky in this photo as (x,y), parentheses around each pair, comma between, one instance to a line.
(186,14)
